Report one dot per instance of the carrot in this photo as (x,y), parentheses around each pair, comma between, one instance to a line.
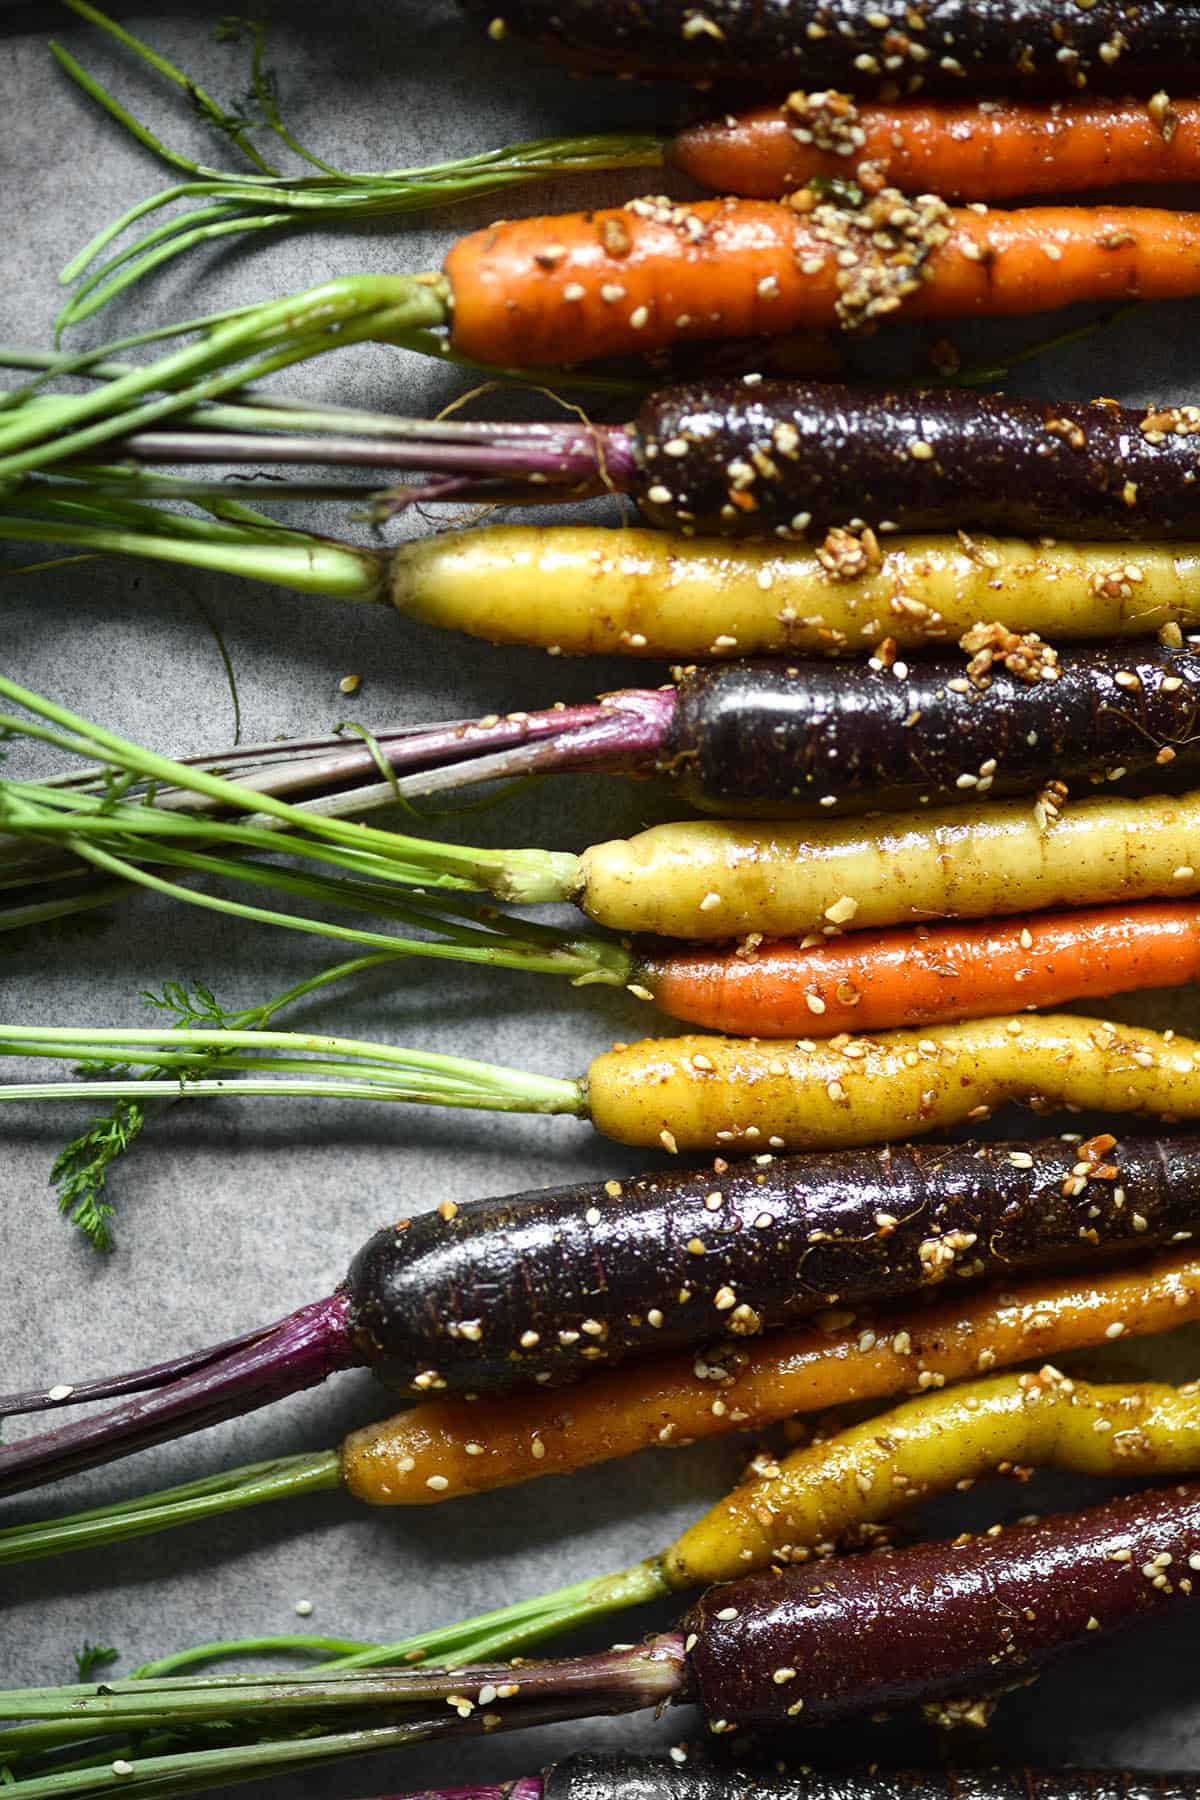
(585,590)
(547,291)
(869,1472)
(990,150)
(701,1092)
(875,980)
(710,878)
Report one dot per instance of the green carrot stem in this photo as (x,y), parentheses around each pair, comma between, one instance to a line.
(20,916)
(221,1649)
(336,571)
(364,1070)
(266,201)
(199,96)
(243,347)
(251,1485)
(165,1777)
(523,876)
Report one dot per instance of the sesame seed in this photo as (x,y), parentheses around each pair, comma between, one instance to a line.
(592,1215)
(303,1609)
(530,1339)
(654,1318)
(842,910)
(724,1298)
(574,290)
(639,318)
(781,1677)
(667,1140)
(1115,1330)
(473,1449)
(728,1612)
(438,1483)
(62,1390)
(710,901)
(659,495)
(121,1767)
(537,1449)
(611,292)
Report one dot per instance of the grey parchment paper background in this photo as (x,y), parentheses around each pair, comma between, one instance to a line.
(233,1213)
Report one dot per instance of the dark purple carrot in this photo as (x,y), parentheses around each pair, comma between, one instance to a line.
(794,739)
(690,1775)
(935,46)
(794,460)
(937,1625)
(543,1287)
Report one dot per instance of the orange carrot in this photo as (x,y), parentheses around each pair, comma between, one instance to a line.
(872,981)
(994,150)
(556,290)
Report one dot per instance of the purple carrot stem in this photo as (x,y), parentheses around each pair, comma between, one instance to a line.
(524,457)
(135,1381)
(627,730)
(627,727)
(299,1352)
(523,1787)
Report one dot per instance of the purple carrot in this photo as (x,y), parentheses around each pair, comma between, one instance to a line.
(691,1776)
(792,460)
(545,1286)
(786,740)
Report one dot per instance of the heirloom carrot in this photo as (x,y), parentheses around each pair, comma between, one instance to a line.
(683,1093)
(868,45)
(446,1448)
(638,278)
(869,981)
(1002,149)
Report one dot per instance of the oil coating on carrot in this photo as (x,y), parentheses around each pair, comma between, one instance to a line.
(717,1093)
(584,590)
(446,1448)
(872,981)
(998,150)
(722,879)
(873,1470)
(549,291)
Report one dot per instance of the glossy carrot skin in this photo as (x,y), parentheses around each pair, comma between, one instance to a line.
(1001,150)
(937,1622)
(452,1446)
(865,45)
(872,981)
(616,1776)
(559,290)
(553,1283)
